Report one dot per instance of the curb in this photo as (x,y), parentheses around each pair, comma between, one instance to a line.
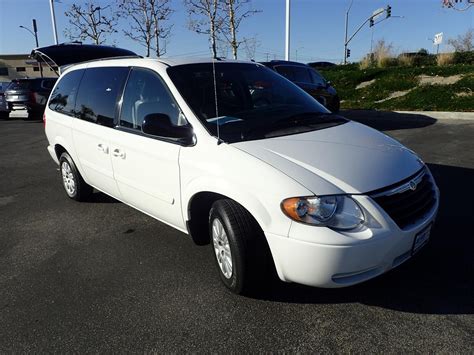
(442,115)
(412,115)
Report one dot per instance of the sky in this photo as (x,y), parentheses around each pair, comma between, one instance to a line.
(317,28)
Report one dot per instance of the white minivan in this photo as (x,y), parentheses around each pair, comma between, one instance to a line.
(235,155)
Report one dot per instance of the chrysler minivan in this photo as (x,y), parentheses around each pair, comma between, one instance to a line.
(237,156)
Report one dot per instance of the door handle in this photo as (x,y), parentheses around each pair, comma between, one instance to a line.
(118,153)
(103,148)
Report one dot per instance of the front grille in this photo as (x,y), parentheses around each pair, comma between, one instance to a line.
(405,205)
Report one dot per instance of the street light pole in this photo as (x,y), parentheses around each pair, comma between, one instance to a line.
(35,30)
(35,34)
(287,31)
(345,37)
(53,20)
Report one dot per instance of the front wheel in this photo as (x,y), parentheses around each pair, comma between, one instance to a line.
(335,105)
(73,183)
(239,247)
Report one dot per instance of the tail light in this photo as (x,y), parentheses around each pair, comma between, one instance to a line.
(32,98)
(44,120)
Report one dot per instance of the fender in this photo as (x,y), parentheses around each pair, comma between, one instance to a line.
(223,187)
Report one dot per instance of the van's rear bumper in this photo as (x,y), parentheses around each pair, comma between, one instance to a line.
(52,152)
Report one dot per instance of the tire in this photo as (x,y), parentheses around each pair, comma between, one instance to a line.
(335,105)
(73,183)
(239,247)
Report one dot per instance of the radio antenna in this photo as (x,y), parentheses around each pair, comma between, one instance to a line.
(215,100)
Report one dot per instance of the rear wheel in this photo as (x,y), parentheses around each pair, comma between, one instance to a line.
(239,247)
(73,183)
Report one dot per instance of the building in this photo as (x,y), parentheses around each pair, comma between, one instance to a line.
(19,66)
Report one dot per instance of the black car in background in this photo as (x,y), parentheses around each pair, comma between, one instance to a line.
(309,80)
(29,94)
(4,112)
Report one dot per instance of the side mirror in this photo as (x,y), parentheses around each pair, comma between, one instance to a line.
(328,84)
(159,124)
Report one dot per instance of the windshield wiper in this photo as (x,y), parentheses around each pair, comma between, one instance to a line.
(303,117)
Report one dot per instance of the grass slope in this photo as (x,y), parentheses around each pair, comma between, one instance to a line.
(389,80)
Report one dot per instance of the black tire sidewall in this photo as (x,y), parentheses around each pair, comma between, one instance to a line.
(235,282)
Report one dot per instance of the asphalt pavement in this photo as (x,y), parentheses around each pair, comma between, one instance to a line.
(103,277)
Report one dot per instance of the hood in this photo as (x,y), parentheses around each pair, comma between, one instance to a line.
(72,53)
(349,158)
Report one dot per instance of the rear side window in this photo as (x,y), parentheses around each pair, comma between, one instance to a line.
(287,72)
(48,84)
(19,85)
(294,73)
(64,94)
(97,99)
(317,78)
(302,75)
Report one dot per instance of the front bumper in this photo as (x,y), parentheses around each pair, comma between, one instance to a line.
(322,257)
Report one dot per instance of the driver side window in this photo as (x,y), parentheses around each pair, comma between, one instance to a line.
(146,93)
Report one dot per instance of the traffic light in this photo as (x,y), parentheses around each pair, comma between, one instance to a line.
(389,11)
(371,23)
(348,53)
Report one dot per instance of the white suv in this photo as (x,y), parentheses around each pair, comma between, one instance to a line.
(234,154)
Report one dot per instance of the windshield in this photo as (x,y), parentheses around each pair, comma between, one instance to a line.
(253,102)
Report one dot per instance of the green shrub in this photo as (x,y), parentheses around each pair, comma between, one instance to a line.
(424,60)
(464,57)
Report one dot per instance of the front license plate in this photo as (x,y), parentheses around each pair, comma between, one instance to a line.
(421,239)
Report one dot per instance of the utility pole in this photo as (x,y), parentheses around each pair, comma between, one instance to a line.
(53,20)
(287,31)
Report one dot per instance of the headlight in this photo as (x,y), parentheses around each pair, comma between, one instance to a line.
(337,212)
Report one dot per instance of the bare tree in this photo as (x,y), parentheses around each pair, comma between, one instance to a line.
(463,43)
(147,20)
(204,19)
(458,5)
(139,16)
(91,21)
(222,48)
(236,11)
(250,47)
(162,30)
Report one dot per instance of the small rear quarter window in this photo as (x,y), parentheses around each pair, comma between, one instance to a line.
(63,97)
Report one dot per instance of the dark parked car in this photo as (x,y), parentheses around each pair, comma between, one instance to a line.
(29,94)
(4,112)
(309,80)
(321,65)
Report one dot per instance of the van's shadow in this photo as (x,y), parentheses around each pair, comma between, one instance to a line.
(100,197)
(439,280)
(387,120)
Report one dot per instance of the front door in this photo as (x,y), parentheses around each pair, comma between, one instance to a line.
(146,168)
